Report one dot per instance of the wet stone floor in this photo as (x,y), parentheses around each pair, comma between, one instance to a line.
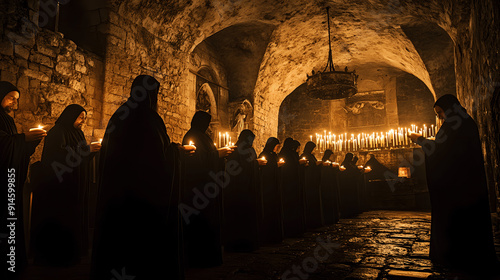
(382,245)
(375,245)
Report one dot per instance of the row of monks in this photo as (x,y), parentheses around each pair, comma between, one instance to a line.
(162,204)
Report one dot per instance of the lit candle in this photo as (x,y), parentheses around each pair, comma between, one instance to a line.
(97,142)
(282,160)
(40,127)
(342,168)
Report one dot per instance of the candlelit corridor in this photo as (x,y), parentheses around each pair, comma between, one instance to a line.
(246,64)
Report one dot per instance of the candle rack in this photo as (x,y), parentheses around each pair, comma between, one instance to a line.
(393,139)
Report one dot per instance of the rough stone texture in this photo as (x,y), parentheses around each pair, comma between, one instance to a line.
(478,76)
(377,38)
(47,74)
(414,102)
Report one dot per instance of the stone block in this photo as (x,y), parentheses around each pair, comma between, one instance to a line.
(363,273)
(6,48)
(64,68)
(81,68)
(117,31)
(80,58)
(46,51)
(36,75)
(23,83)
(22,62)
(42,59)
(407,275)
(34,84)
(115,99)
(71,46)
(77,85)
(46,70)
(21,51)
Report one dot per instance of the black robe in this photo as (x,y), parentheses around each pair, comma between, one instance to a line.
(137,225)
(60,201)
(202,231)
(271,225)
(461,231)
(15,155)
(312,178)
(377,187)
(329,192)
(292,192)
(242,198)
(349,189)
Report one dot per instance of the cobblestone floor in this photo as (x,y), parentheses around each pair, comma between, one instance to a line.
(382,245)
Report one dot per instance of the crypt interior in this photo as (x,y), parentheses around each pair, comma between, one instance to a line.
(247,63)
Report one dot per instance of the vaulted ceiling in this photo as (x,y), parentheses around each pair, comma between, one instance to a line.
(282,40)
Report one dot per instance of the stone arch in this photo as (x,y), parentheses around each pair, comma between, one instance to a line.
(436,48)
(205,100)
(207,84)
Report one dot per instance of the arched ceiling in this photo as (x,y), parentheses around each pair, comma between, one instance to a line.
(367,34)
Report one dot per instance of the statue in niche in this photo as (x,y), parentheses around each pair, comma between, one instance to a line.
(239,121)
(203,101)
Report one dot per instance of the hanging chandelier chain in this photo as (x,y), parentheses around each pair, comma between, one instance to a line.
(329,64)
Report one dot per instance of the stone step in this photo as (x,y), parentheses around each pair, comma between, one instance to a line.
(407,275)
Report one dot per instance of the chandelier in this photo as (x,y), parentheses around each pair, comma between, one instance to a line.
(332,84)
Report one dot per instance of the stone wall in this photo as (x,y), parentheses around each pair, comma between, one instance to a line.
(131,51)
(477,64)
(301,116)
(415,102)
(50,71)
(205,58)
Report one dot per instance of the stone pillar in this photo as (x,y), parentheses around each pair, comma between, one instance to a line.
(391,103)
(338,116)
